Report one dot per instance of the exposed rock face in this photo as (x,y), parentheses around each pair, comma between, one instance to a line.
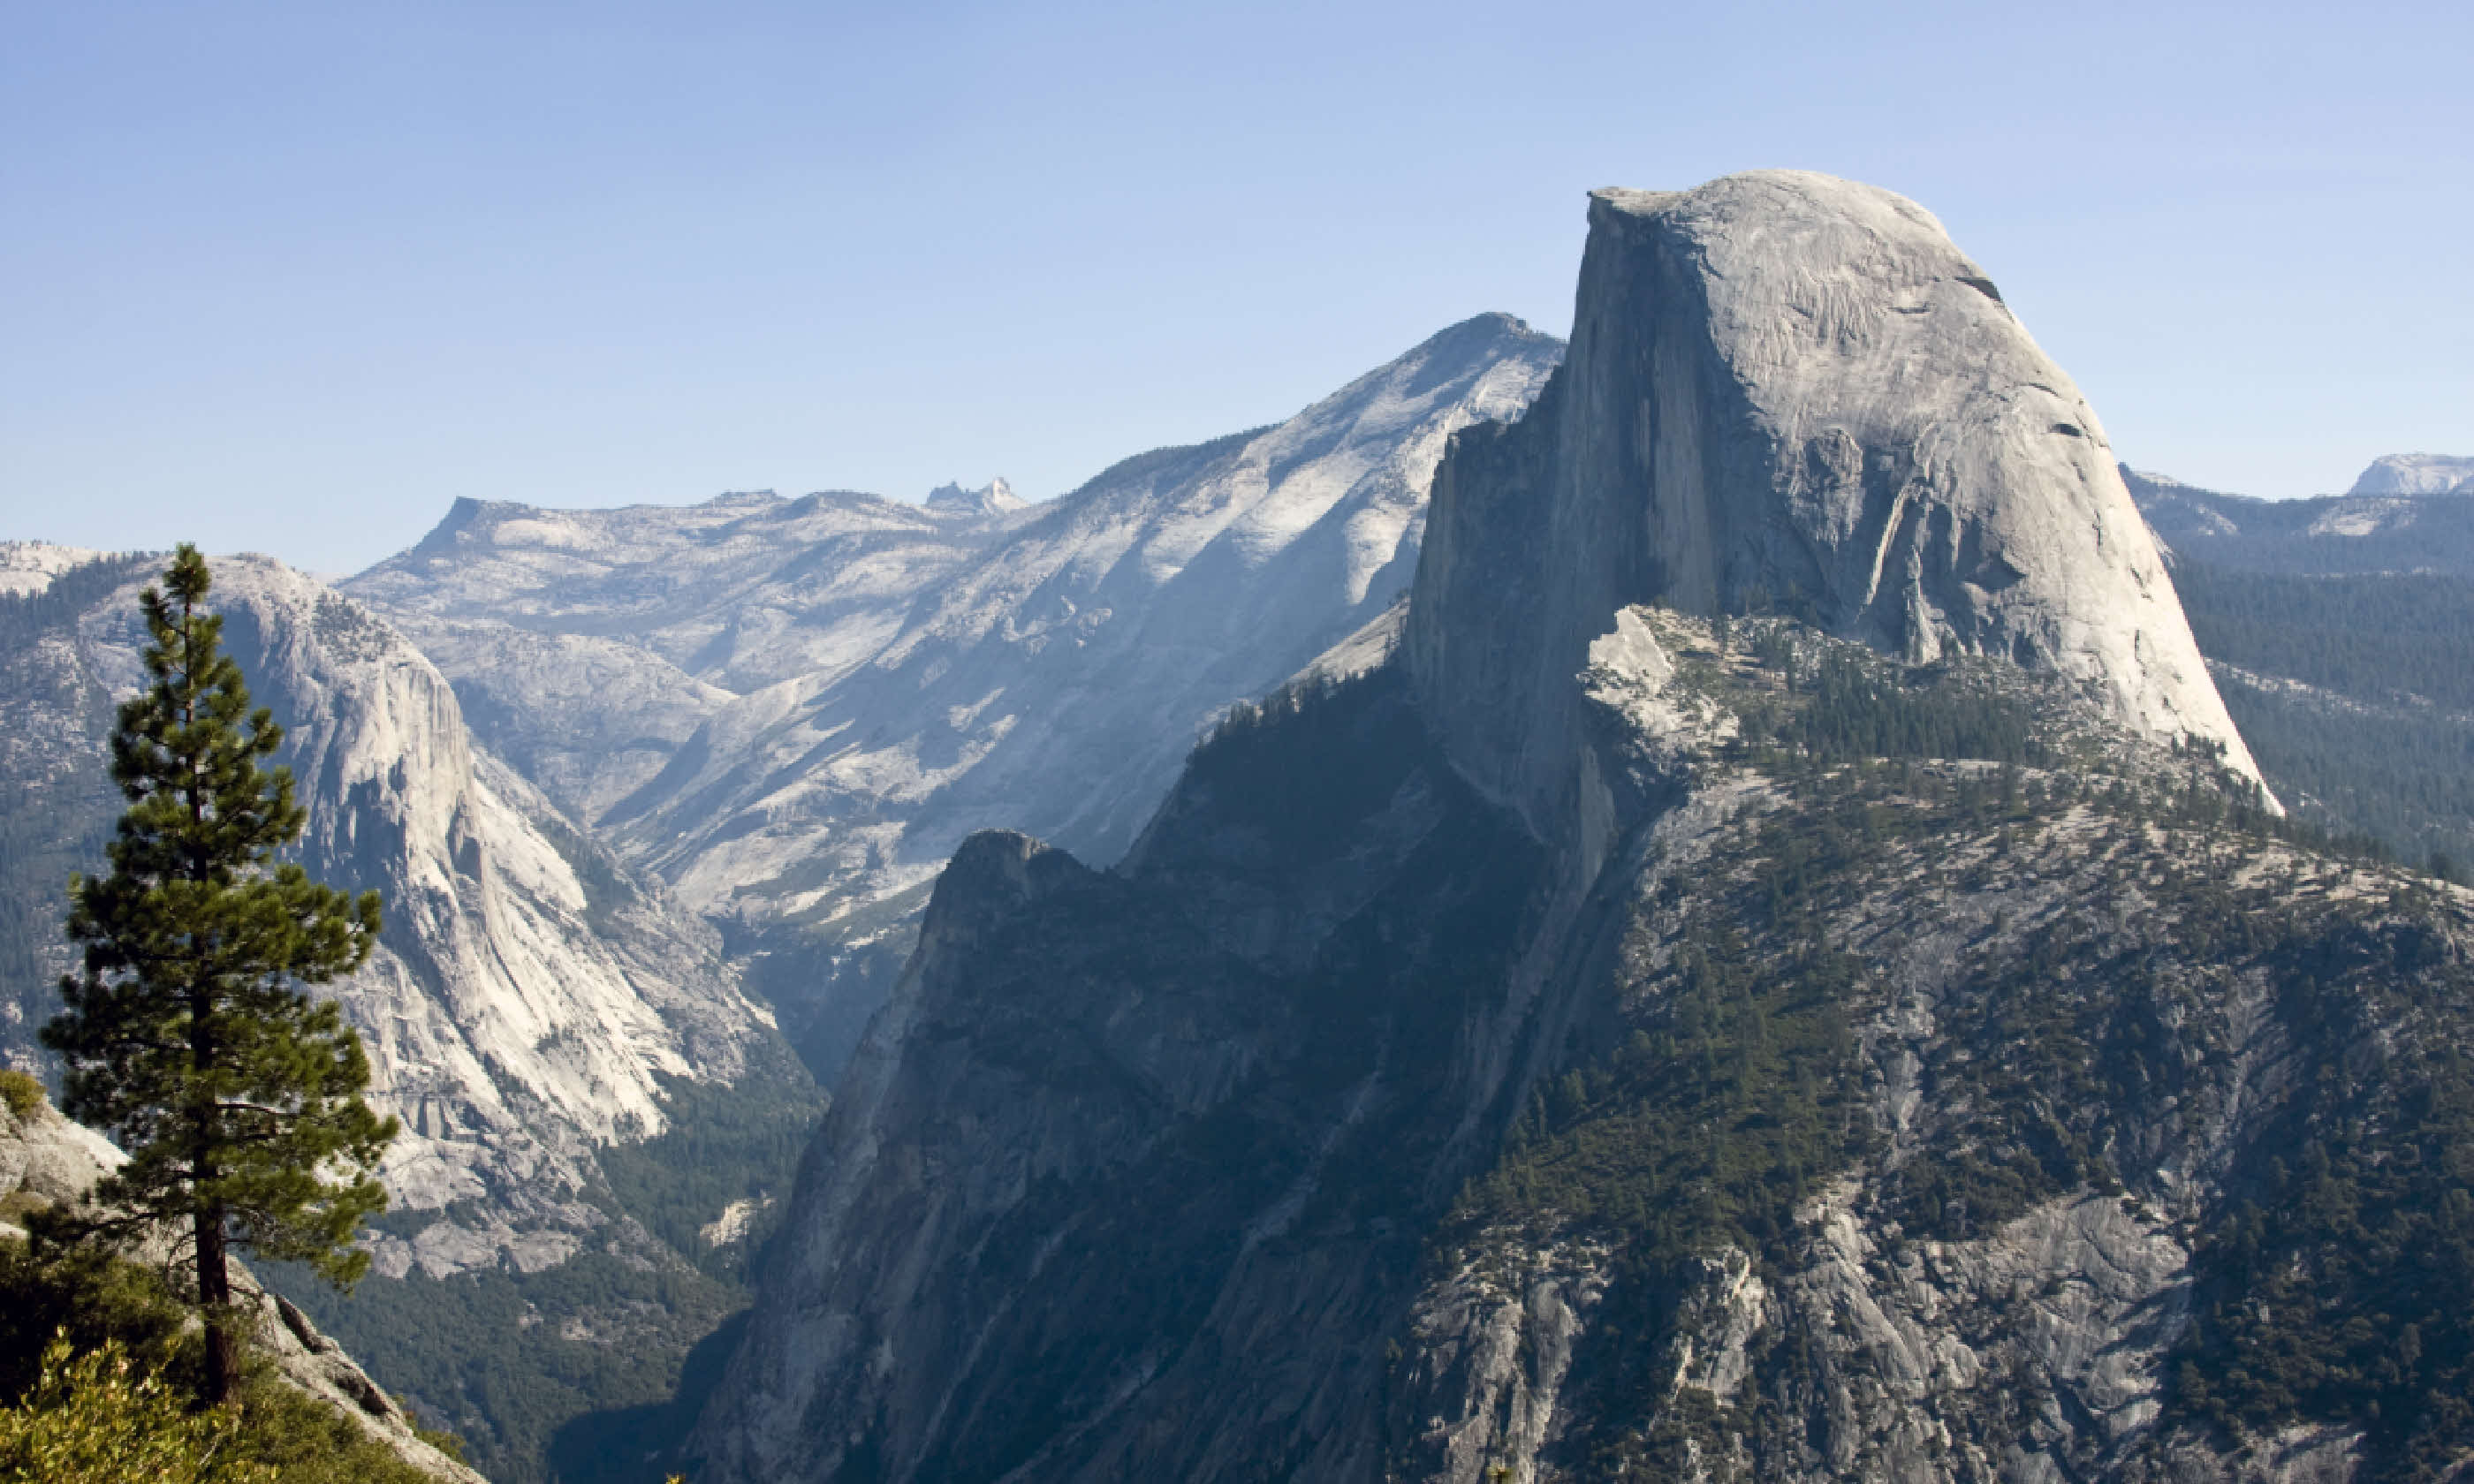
(1278,1143)
(1048,1105)
(1554,1043)
(29,566)
(2416,473)
(528,991)
(1788,390)
(1056,683)
(47,1161)
(994,498)
(793,711)
(591,645)
(848,686)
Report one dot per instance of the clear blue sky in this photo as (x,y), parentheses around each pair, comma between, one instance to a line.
(292,277)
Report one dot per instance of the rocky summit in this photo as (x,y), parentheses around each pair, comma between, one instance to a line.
(1774,966)
(1789,392)
(788,709)
(2417,473)
(791,711)
(551,737)
(1687,909)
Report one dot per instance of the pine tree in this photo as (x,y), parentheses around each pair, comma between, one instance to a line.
(188,1034)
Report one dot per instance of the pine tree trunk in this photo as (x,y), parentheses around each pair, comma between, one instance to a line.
(215,1303)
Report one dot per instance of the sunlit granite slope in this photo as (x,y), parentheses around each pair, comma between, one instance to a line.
(1788,392)
(529,991)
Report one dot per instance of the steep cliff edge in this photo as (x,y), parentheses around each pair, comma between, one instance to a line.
(1906,1073)
(1891,1036)
(1055,681)
(1787,391)
(793,710)
(1104,1156)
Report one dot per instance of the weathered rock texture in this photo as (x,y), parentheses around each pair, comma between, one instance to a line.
(1787,391)
(46,1161)
(827,694)
(1024,1243)
(591,645)
(28,567)
(1338,1129)
(793,711)
(1565,1039)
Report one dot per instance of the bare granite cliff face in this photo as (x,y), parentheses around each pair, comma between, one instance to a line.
(1788,390)
(1580,1032)
(792,712)
(1799,1120)
(1054,681)
(590,645)
(2417,473)
(793,708)
(1124,1182)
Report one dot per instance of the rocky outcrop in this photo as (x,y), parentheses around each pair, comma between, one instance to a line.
(1338,1129)
(1571,1037)
(1056,683)
(47,1161)
(2416,473)
(993,498)
(1787,392)
(792,712)
(849,685)
(28,567)
(590,645)
(1034,1150)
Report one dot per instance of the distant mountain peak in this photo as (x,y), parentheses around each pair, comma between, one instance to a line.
(2417,473)
(994,498)
(29,566)
(1785,390)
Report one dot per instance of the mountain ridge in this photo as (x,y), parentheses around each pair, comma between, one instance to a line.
(1605,1033)
(1047,668)
(528,988)
(2417,473)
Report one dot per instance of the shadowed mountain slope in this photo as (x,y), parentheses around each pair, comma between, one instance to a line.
(1575,1034)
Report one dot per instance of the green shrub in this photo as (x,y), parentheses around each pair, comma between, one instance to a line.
(23,1094)
(93,1300)
(298,1439)
(91,1346)
(104,1417)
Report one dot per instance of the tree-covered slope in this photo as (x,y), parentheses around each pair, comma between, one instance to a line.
(2347,660)
(1894,1071)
